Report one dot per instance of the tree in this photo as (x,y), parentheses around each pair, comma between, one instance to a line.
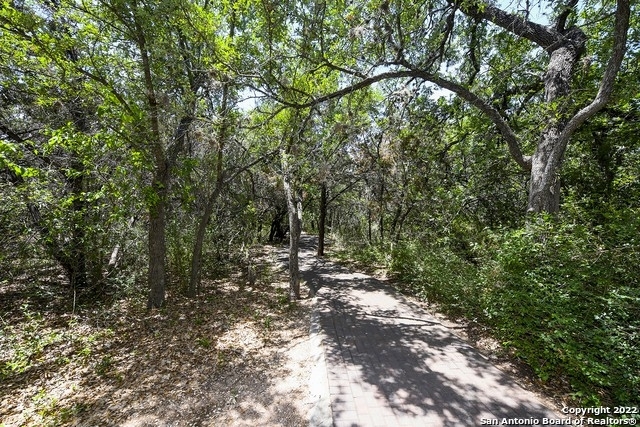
(292,145)
(403,40)
(149,66)
(50,117)
(168,66)
(339,128)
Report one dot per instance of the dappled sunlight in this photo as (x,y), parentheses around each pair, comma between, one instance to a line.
(234,356)
(390,360)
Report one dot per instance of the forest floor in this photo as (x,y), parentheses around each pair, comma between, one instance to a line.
(238,355)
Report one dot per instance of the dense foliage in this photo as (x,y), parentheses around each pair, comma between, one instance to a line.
(558,293)
(491,162)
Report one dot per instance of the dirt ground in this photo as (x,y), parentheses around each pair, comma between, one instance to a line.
(238,355)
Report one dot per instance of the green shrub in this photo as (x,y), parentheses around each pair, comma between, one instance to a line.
(436,273)
(561,292)
(568,302)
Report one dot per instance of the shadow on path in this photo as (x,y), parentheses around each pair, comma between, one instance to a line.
(390,363)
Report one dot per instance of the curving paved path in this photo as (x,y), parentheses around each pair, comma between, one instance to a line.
(389,363)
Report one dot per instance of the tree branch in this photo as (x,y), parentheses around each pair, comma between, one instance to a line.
(538,34)
(561,22)
(352,88)
(344,190)
(249,165)
(494,115)
(11,134)
(621,27)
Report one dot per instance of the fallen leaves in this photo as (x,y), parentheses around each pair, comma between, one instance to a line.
(214,360)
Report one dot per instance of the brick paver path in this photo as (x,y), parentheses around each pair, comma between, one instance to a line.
(389,363)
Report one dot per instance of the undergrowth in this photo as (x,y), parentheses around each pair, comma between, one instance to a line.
(562,296)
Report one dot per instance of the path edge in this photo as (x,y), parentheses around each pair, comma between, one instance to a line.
(320,415)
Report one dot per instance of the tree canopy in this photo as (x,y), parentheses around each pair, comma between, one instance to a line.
(485,153)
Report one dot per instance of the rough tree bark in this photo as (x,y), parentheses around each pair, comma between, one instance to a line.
(157,239)
(160,184)
(294,207)
(323,218)
(544,190)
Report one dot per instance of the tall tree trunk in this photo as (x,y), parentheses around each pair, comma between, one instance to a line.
(196,260)
(323,218)
(157,277)
(221,182)
(160,186)
(547,160)
(544,190)
(294,231)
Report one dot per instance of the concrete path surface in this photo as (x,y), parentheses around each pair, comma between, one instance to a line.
(389,363)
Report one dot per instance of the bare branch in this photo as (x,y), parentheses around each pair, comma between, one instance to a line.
(107,85)
(344,190)
(332,66)
(353,88)
(11,134)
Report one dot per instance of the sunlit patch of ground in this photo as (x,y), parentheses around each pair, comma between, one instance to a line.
(238,355)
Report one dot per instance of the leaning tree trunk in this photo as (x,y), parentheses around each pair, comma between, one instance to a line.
(196,260)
